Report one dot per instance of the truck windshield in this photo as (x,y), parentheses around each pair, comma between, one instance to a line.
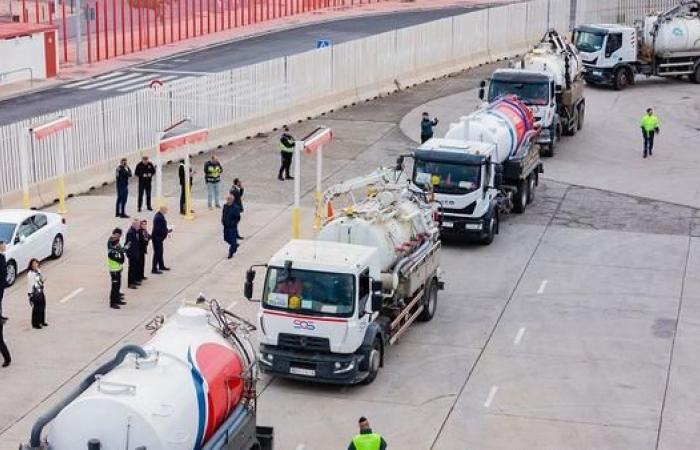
(309,292)
(589,42)
(530,93)
(6,232)
(447,178)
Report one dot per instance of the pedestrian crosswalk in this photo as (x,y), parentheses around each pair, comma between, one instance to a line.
(126,81)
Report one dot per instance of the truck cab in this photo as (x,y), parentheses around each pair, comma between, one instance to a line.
(317,315)
(538,91)
(608,53)
(463,178)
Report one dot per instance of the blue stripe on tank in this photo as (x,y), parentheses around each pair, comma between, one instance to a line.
(510,131)
(201,401)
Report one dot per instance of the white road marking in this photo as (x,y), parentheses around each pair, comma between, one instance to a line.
(519,336)
(176,72)
(92,80)
(71,295)
(140,78)
(492,394)
(233,303)
(111,80)
(542,286)
(139,84)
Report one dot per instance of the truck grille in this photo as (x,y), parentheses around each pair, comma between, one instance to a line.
(468,210)
(305,343)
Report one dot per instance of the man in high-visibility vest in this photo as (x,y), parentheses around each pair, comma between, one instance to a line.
(115,263)
(650,127)
(287,153)
(367,440)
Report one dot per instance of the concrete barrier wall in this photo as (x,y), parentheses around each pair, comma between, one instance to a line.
(247,100)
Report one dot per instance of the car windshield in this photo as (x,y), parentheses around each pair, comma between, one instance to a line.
(309,292)
(589,42)
(530,93)
(6,231)
(446,178)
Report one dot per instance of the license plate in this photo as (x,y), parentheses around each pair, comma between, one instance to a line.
(448,225)
(300,371)
(473,226)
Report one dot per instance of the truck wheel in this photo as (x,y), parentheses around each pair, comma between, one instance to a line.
(374,362)
(429,302)
(574,125)
(695,77)
(532,182)
(622,79)
(493,229)
(521,196)
(581,116)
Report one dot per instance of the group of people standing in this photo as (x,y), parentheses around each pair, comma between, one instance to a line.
(145,170)
(135,249)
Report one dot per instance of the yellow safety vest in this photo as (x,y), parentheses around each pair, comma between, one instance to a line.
(371,441)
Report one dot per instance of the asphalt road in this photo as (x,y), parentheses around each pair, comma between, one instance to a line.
(218,58)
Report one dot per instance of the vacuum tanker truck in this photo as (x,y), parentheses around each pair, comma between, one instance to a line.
(664,45)
(549,80)
(486,165)
(333,305)
(192,386)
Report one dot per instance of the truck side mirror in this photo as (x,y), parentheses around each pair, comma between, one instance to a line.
(482,90)
(498,177)
(377,302)
(248,286)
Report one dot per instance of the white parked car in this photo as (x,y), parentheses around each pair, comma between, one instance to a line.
(30,234)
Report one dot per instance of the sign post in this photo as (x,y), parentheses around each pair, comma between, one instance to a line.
(24,167)
(49,129)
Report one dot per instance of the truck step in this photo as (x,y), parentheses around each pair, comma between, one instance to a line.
(685,72)
(677,64)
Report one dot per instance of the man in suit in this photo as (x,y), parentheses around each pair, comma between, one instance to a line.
(144,172)
(122,174)
(6,359)
(144,239)
(133,252)
(230,216)
(158,235)
(3,276)
(237,191)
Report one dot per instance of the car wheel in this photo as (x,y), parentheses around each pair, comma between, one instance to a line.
(429,302)
(374,361)
(57,247)
(11,273)
(695,77)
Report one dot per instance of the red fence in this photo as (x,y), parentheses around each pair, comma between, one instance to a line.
(113,28)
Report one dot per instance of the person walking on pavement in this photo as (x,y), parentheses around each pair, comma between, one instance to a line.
(650,127)
(144,239)
(237,191)
(287,153)
(212,176)
(115,263)
(3,276)
(367,440)
(230,216)
(158,235)
(426,127)
(4,351)
(144,171)
(122,174)
(133,253)
(35,291)
(181,176)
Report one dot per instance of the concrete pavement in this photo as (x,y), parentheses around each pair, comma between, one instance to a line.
(575,329)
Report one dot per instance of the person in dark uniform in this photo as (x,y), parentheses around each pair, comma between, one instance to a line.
(181,174)
(133,252)
(35,292)
(158,235)
(230,216)
(237,191)
(122,175)
(287,153)
(3,276)
(144,171)
(144,239)
(3,346)
(426,127)
(115,263)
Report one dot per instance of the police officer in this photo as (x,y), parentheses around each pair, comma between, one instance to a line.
(650,127)
(367,440)
(287,153)
(426,127)
(144,171)
(181,176)
(115,263)
(212,177)
(122,174)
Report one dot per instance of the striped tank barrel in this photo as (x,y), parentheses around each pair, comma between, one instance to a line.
(517,117)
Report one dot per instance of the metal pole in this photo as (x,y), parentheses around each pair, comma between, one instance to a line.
(60,181)
(78,31)
(159,172)
(97,30)
(24,166)
(296,211)
(319,176)
(549,7)
(65,31)
(188,188)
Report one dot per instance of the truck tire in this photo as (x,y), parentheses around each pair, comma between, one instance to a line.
(429,302)
(521,196)
(622,79)
(532,182)
(492,230)
(695,77)
(581,115)
(374,361)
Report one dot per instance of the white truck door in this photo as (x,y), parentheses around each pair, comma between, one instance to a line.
(613,50)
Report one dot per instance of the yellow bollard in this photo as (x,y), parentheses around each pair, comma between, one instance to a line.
(61,190)
(296,223)
(188,201)
(26,204)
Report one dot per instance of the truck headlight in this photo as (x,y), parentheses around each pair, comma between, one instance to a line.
(340,369)
(597,73)
(267,358)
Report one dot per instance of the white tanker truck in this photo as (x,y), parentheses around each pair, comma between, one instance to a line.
(549,80)
(331,306)
(664,45)
(192,386)
(487,164)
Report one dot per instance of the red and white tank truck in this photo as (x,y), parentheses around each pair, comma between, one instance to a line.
(487,164)
(192,386)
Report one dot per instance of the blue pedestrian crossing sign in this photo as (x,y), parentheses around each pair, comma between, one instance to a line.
(323,43)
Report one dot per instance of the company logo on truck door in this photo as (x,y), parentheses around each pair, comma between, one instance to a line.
(304,324)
